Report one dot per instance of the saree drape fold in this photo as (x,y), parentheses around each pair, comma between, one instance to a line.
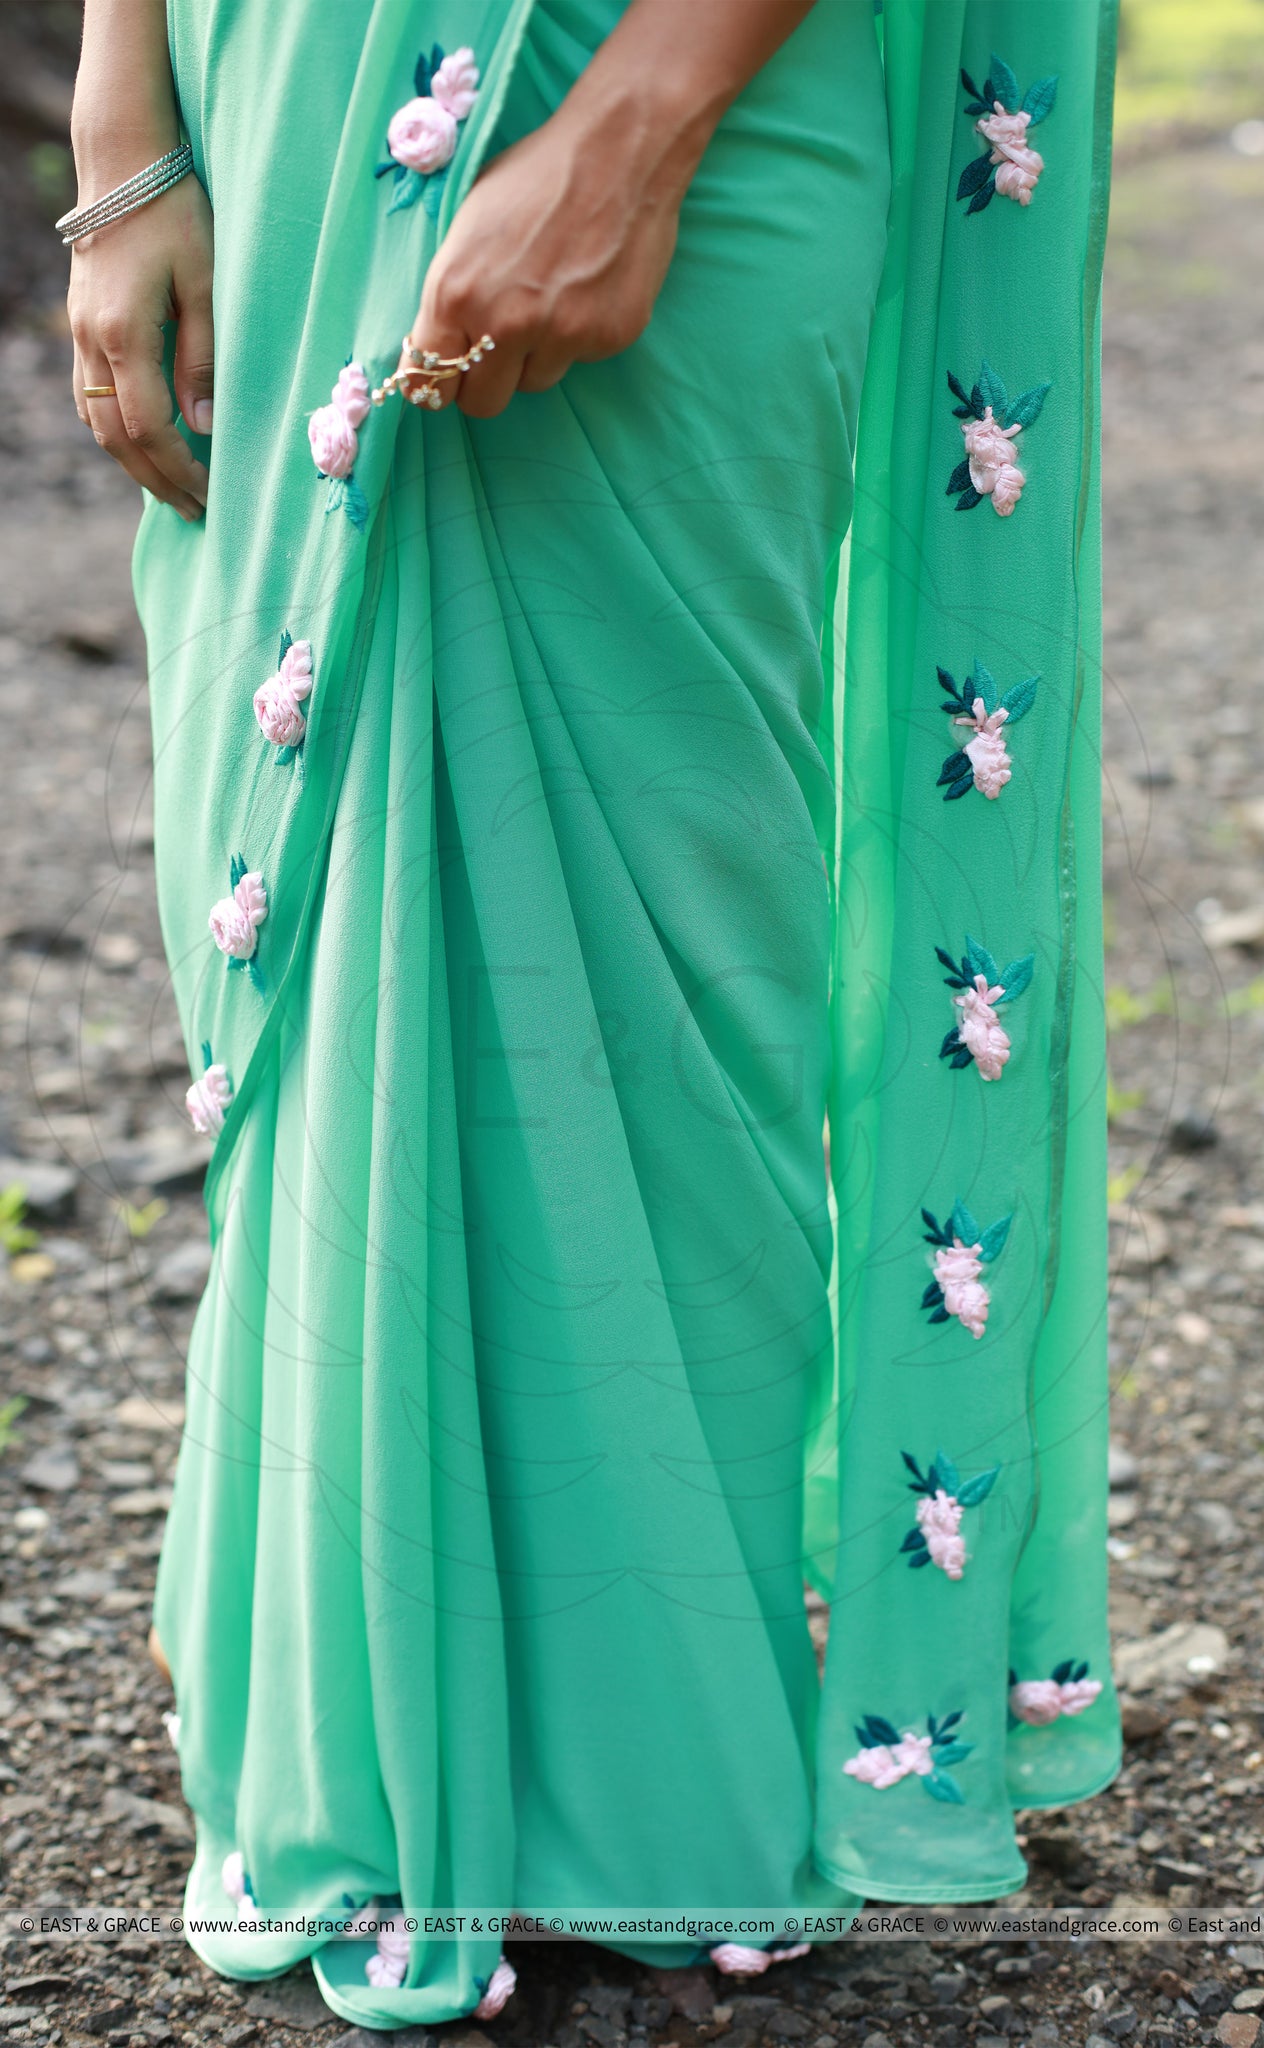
(540,1362)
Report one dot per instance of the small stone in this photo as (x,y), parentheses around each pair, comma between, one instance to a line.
(147,1816)
(145,1411)
(39,1985)
(19,2015)
(1209,1996)
(49,1191)
(654,2011)
(1013,1966)
(844,2004)
(1165,1872)
(691,1992)
(1217,1524)
(1238,2029)
(947,1986)
(1141,1721)
(1177,1654)
(1099,2041)
(1121,2023)
(1044,2035)
(1193,1132)
(183,1273)
(1122,1468)
(1249,2000)
(146,1500)
(787,2025)
(1193,1330)
(877,2041)
(51,1471)
(1250,1956)
(997,2010)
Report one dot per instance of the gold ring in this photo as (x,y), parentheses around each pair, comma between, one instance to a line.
(420,386)
(99,391)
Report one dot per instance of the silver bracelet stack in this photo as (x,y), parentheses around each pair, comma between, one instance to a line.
(124,199)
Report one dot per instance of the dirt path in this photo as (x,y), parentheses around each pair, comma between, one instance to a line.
(96,1315)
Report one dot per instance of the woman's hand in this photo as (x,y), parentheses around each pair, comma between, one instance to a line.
(561,248)
(125,282)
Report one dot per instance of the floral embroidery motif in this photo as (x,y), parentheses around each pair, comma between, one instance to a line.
(422,137)
(962,1249)
(206,1100)
(235,920)
(978,1034)
(497,1990)
(886,1756)
(1068,1690)
(983,763)
(277,702)
(936,1538)
(991,424)
(236,1883)
(731,1959)
(335,443)
(1009,165)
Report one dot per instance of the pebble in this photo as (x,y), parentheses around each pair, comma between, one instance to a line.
(947,1986)
(1165,1872)
(51,1471)
(1217,1523)
(182,1274)
(1249,2000)
(1192,1329)
(146,1500)
(1238,2029)
(877,2041)
(1122,1468)
(1187,1649)
(1141,1721)
(1195,1131)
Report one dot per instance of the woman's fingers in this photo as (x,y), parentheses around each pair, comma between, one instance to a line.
(104,415)
(145,405)
(195,362)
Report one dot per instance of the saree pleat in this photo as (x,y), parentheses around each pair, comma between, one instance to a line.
(541,1357)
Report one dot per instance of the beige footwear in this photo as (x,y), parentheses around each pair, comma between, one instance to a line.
(156,1652)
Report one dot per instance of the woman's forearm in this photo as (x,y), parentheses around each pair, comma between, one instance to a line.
(663,78)
(124,113)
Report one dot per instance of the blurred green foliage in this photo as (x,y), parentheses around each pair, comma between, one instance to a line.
(1188,63)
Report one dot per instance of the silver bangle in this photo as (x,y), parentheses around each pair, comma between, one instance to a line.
(148,184)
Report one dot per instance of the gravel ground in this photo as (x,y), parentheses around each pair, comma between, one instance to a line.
(94,1315)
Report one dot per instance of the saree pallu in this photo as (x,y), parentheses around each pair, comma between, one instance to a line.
(584,848)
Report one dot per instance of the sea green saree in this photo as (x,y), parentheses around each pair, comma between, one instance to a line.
(557,817)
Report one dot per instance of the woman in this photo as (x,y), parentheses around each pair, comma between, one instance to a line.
(519,954)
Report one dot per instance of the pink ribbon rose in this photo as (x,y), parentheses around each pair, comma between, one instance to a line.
(277,701)
(207,1100)
(422,135)
(235,919)
(455,83)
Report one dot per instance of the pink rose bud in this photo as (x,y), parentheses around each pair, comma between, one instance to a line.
(1036,1701)
(351,394)
(422,135)
(235,920)
(277,701)
(333,439)
(500,1986)
(1007,490)
(455,84)
(207,1100)
(1079,1693)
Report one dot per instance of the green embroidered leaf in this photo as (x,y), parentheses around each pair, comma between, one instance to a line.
(958,389)
(880,1730)
(969,499)
(960,478)
(206,1053)
(941,1786)
(913,1466)
(993,390)
(284,755)
(408,191)
(922,1558)
(426,68)
(1039,98)
(940,1316)
(913,1541)
(964,1225)
(1080,1671)
(287,641)
(976,173)
(1004,84)
(956,768)
(949,1477)
(933,1295)
(953,1752)
(962,1058)
(1028,407)
(951,1044)
(236,869)
(984,684)
(981,961)
(1062,1672)
(936,1233)
(970,85)
(1018,701)
(977,1489)
(1017,976)
(951,1720)
(336,493)
(433,193)
(993,1239)
(986,192)
(356,505)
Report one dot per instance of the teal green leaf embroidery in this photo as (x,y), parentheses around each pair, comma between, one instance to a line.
(1039,99)
(991,423)
(1008,154)
(409,186)
(887,1756)
(983,762)
(935,1538)
(1026,408)
(962,1249)
(1004,84)
(941,1786)
(993,392)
